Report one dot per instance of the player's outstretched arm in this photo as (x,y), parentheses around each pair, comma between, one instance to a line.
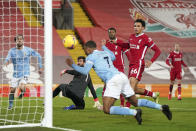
(84,70)
(73,72)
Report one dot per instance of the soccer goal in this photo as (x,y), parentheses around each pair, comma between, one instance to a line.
(32,103)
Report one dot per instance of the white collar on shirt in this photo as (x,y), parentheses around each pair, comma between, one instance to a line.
(177,52)
(139,35)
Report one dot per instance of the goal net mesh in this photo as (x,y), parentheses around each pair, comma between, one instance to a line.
(23,17)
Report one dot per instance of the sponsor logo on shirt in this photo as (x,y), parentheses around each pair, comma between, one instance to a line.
(134,46)
(177,59)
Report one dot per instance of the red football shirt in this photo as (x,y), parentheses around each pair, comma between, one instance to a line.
(138,47)
(118,52)
(175,59)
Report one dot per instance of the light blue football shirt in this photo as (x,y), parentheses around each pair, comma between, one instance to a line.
(21,60)
(102,63)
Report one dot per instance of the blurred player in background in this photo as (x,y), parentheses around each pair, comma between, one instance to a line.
(116,83)
(20,56)
(76,88)
(118,52)
(174,61)
(138,45)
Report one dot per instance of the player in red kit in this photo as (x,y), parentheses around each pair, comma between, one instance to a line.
(118,52)
(174,60)
(138,44)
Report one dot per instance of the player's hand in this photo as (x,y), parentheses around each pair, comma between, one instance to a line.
(103,42)
(171,66)
(97,105)
(62,72)
(69,61)
(40,70)
(148,64)
(185,69)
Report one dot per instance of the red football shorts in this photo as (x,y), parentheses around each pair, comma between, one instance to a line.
(175,75)
(136,71)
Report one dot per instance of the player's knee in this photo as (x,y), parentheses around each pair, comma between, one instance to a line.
(106,110)
(171,82)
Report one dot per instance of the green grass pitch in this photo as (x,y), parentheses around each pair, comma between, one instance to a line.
(91,119)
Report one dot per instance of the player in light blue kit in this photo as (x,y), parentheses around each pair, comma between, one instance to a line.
(20,57)
(116,83)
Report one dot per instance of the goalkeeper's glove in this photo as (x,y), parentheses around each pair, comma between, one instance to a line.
(97,104)
(62,72)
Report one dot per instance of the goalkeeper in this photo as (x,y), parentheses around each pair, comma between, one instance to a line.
(20,56)
(76,88)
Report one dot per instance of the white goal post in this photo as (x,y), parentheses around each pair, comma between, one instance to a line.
(35,107)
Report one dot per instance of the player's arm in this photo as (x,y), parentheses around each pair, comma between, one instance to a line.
(156,54)
(96,100)
(123,45)
(90,86)
(84,70)
(72,72)
(183,63)
(126,52)
(155,48)
(168,60)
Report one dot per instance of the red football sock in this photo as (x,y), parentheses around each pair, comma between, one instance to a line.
(170,88)
(128,104)
(122,100)
(148,93)
(179,89)
(103,91)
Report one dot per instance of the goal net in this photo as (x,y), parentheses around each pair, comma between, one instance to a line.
(23,72)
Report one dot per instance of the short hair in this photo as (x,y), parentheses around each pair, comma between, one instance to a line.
(112,28)
(15,38)
(141,21)
(90,44)
(82,57)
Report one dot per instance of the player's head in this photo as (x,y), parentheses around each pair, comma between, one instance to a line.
(89,47)
(139,26)
(19,39)
(112,33)
(81,60)
(177,47)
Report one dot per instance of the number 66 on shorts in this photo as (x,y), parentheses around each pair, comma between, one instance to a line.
(136,71)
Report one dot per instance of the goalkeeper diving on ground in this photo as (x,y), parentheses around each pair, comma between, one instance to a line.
(76,88)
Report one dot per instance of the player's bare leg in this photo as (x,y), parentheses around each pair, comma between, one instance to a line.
(22,88)
(134,84)
(107,103)
(122,100)
(170,89)
(179,89)
(108,108)
(11,97)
